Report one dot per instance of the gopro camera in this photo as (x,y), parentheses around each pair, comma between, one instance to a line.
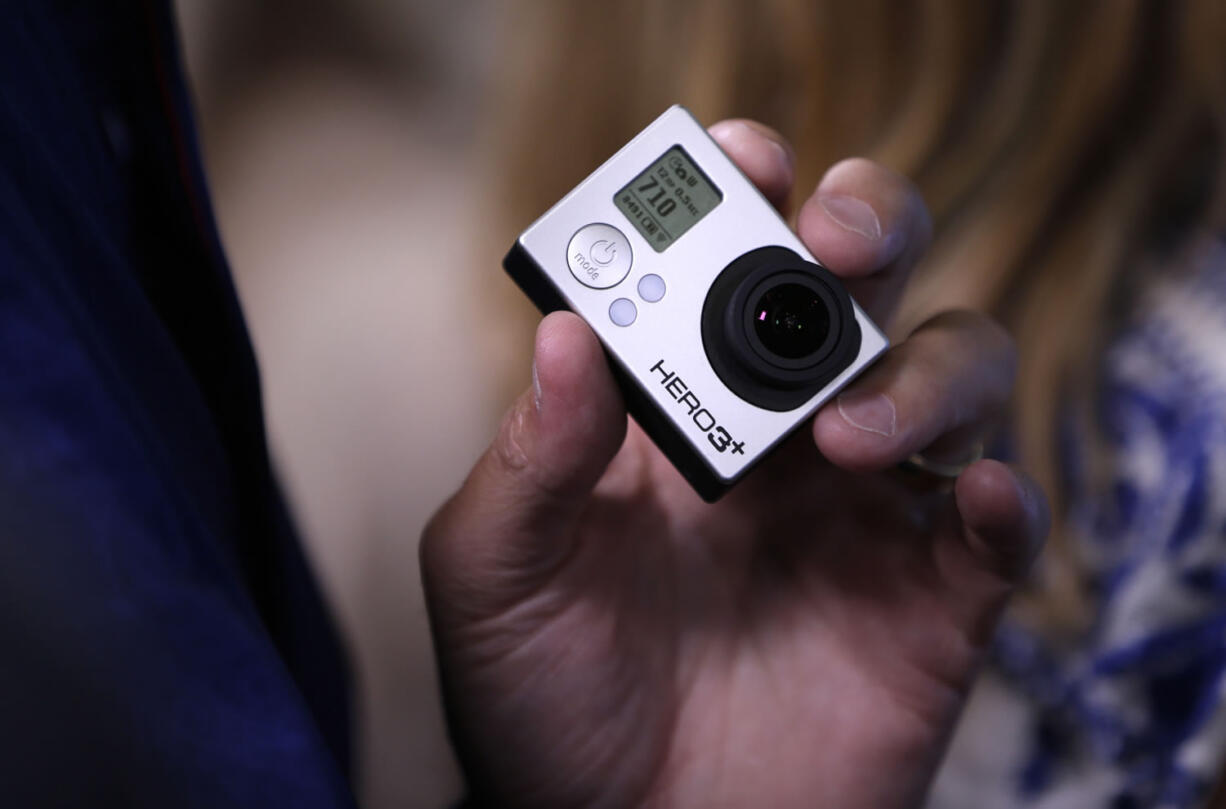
(723,332)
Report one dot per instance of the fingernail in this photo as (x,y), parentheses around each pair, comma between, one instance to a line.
(536,389)
(733,135)
(852,214)
(870,412)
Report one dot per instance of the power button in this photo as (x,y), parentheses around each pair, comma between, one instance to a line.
(599,256)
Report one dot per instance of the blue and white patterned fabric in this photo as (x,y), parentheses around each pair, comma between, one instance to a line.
(1132,714)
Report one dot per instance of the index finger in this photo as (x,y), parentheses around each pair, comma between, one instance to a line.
(764,156)
(869,226)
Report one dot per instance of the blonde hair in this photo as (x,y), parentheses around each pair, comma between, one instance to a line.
(1057,144)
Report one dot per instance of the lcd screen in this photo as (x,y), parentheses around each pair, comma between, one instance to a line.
(668,198)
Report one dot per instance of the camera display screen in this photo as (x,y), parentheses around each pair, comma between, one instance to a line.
(668,198)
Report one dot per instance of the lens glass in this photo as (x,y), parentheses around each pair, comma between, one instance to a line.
(791,321)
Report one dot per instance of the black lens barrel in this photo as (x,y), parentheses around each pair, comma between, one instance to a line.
(778,328)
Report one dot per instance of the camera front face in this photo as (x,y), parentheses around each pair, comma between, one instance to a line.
(722,330)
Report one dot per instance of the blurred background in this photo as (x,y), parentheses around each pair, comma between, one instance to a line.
(343,142)
(371,161)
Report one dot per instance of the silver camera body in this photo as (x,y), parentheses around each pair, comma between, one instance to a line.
(723,332)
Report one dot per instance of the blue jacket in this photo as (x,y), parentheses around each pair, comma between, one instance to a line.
(162,642)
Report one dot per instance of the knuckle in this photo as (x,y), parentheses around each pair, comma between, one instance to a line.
(930,400)
(509,449)
(952,320)
(865,173)
(955,367)
(512,456)
(973,331)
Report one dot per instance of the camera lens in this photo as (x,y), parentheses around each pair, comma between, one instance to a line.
(777,328)
(791,320)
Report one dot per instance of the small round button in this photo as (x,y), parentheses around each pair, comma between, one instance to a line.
(623,312)
(651,288)
(599,256)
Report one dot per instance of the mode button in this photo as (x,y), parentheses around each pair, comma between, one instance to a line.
(599,256)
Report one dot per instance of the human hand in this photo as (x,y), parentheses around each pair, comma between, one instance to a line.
(606,639)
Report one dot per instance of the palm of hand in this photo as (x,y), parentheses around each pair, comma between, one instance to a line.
(738,655)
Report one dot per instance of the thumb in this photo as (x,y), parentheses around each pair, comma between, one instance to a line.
(514,520)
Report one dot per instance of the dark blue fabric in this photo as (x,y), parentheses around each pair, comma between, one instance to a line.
(162,642)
